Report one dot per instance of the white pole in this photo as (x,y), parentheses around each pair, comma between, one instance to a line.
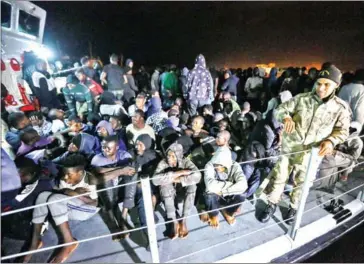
(149,213)
(311,170)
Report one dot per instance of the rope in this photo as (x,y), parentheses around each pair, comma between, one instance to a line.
(164,223)
(65,199)
(121,185)
(277,223)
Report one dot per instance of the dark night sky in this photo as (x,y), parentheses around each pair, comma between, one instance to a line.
(236,34)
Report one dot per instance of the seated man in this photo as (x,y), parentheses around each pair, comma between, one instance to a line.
(253,170)
(137,128)
(83,143)
(196,132)
(225,185)
(104,129)
(140,103)
(17,122)
(42,126)
(32,141)
(111,157)
(118,125)
(174,175)
(344,156)
(146,160)
(74,182)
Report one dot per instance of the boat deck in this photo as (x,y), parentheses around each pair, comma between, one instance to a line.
(203,244)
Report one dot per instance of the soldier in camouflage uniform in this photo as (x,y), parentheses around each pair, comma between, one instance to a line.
(314,119)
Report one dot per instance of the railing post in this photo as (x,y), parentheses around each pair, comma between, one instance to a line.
(149,213)
(311,170)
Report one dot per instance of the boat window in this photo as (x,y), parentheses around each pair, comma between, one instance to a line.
(28,24)
(5,15)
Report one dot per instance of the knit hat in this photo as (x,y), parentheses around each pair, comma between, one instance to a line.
(330,72)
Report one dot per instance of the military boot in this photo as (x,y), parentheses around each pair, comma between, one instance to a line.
(290,216)
(267,213)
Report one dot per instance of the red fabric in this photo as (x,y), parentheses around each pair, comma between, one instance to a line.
(95,88)
(27,108)
(15,65)
(9,100)
(3,68)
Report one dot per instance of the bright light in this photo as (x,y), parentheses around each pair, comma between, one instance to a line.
(42,51)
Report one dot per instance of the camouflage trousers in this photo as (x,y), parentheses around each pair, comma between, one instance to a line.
(295,164)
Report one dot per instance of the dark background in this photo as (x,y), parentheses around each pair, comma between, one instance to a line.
(234,34)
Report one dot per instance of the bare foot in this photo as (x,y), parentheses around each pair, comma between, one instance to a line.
(229,218)
(204,218)
(175,231)
(238,211)
(34,246)
(214,221)
(183,231)
(64,254)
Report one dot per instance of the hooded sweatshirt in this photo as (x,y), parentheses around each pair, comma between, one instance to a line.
(146,163)
(199,81)
(107,125)
(41,143)
(89,146)
(232,183)
(164,173)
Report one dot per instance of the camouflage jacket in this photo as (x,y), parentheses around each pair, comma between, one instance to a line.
(315,121)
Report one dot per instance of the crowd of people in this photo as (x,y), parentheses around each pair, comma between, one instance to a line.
(188,130)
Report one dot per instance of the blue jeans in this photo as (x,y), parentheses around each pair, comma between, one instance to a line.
(252,175)
(214,202)
(140,206)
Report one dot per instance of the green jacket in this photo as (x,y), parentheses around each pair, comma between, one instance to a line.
(315,121)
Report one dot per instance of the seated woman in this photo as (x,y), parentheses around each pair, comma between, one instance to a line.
(177,175)
(75,181)
(225,185)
